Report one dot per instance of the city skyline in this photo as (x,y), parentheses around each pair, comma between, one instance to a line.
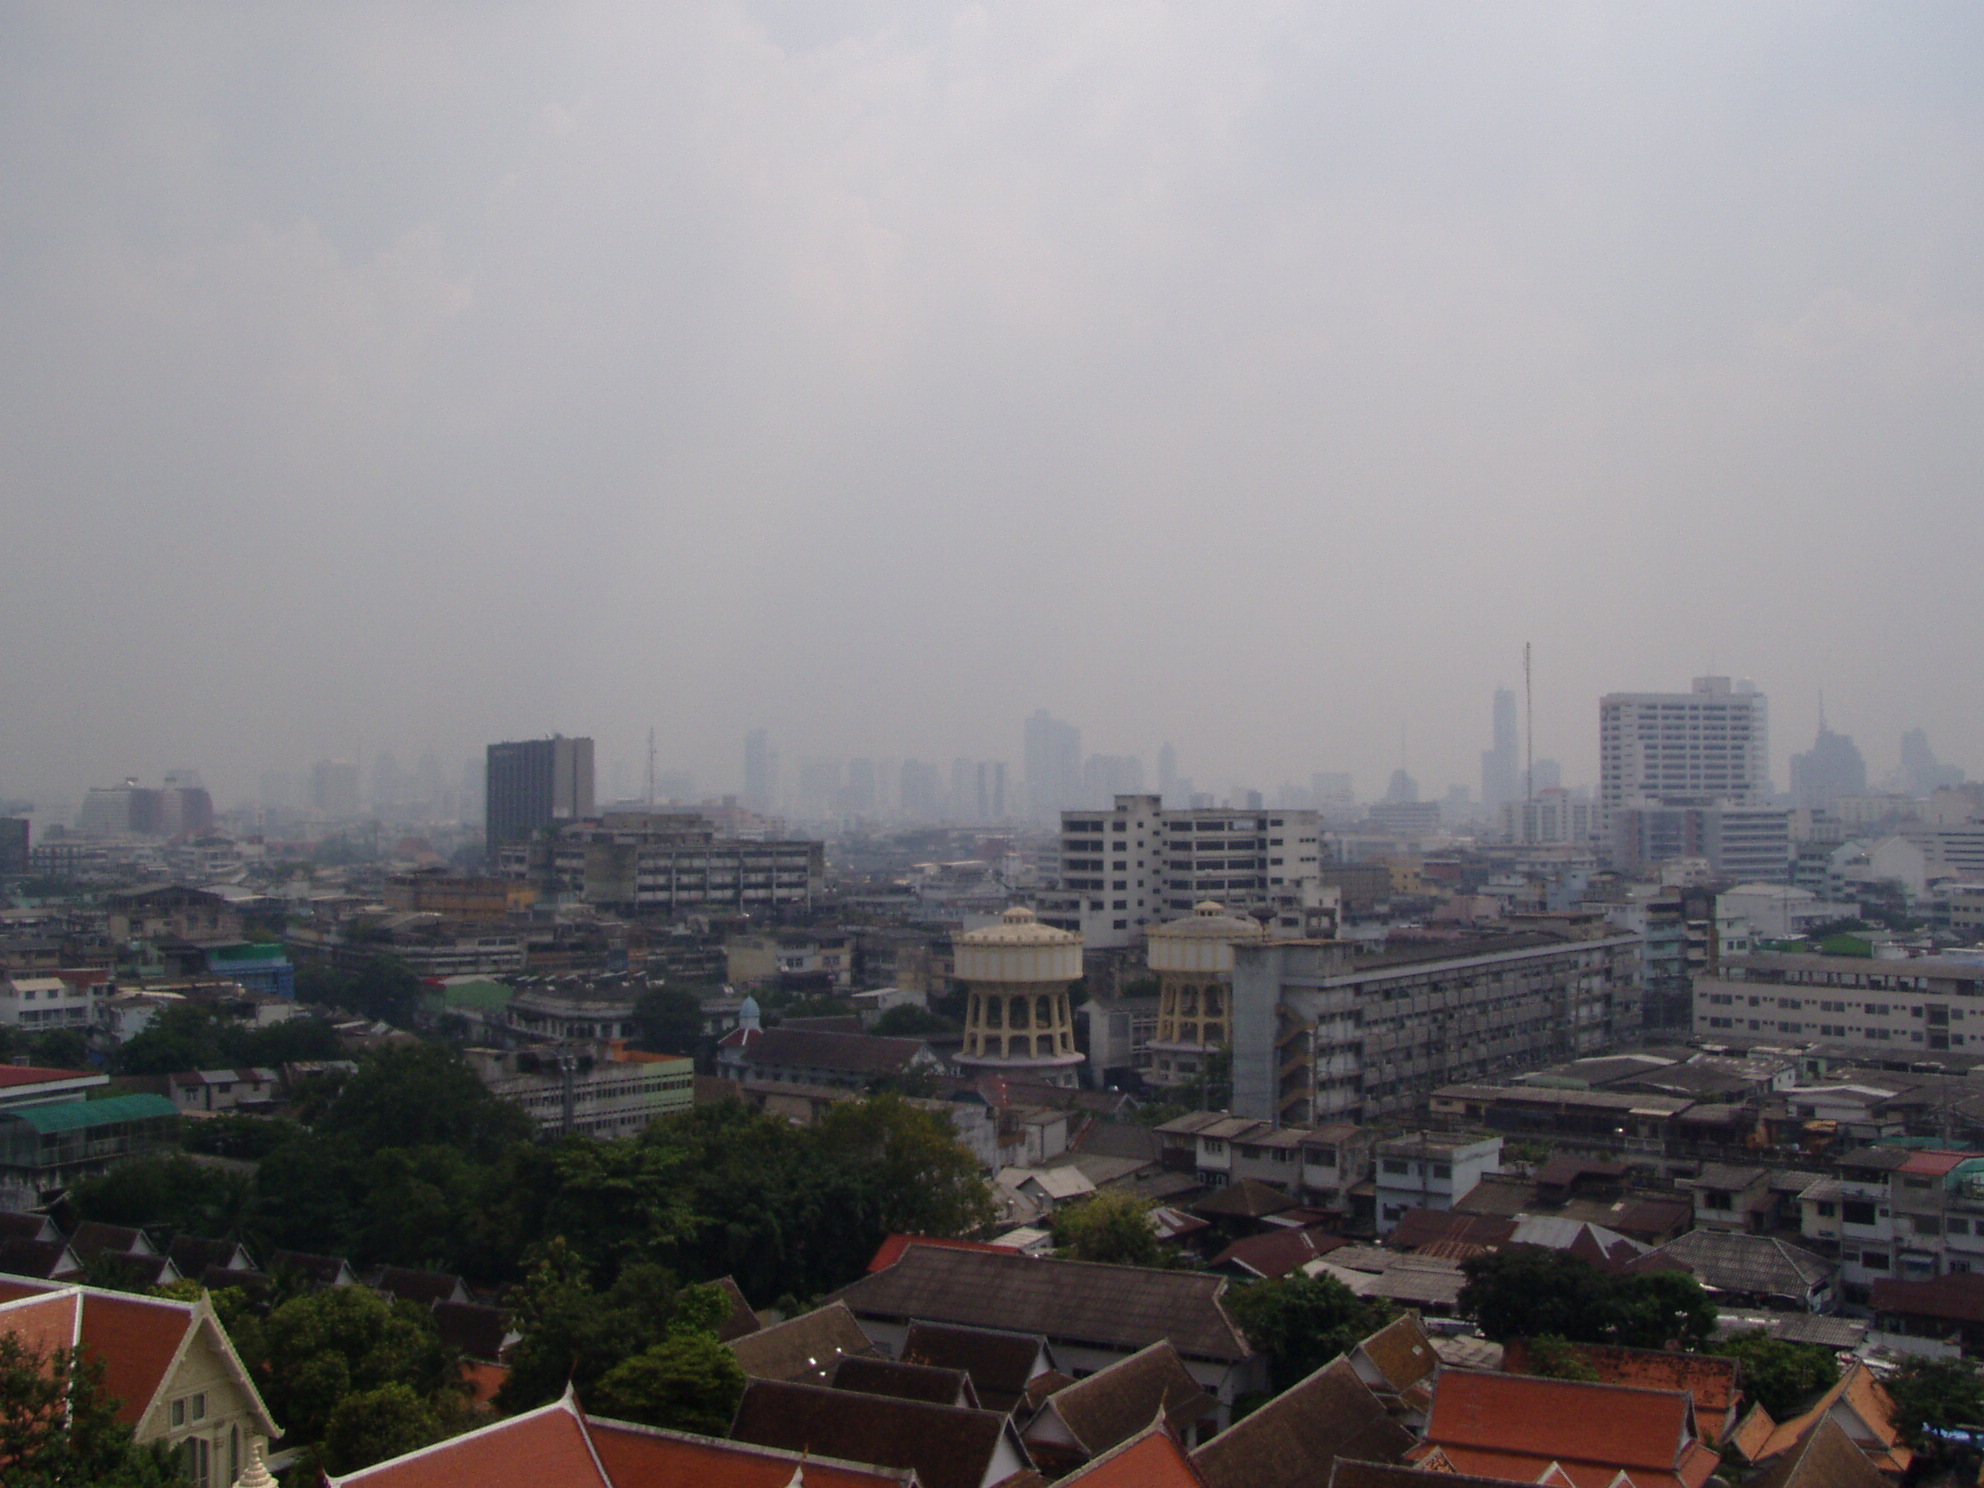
(1260,385)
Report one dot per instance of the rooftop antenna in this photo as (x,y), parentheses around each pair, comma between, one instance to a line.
(1529,730)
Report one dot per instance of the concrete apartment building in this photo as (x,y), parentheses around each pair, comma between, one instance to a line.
(646,862)
(1128,868)
(1687,774)
(1860,1005)
(1321,1035)
(1711,743)
(1897,1214)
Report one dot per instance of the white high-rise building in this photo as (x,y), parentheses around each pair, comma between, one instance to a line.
(1137,865)
(1683,748)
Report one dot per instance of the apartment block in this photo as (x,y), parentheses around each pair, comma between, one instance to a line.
(1852,1003)
(646,862)
(1430,1170)
(1710,743)
(1898,1214)
(1321,1035)
(1131,867)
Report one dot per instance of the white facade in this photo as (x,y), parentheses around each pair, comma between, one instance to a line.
(1430,1171)
(38,1003)
(1712,743)
(1780,912)
(1131,867)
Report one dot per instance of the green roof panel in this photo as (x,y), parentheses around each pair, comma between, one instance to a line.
(79,1115)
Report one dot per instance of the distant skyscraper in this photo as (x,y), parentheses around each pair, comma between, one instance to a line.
(334,789)
(1403,789)
(760,772)
(922,791)
(1053,764)
(1683,748)
(533,784)
(1831,768)
(1501,765)
(1332,788)
(1921,773)
(861,792)
(1167,774)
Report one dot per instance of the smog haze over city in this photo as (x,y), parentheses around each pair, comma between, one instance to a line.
(1255,378)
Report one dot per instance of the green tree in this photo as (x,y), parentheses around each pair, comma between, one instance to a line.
(1112,1227)
(386,990)
(670,1020)
(1934,1393)
(1653,1309)
(186,1037)
(687,1382)
(369,1426)
(1779,1376)
(421,1095)
(907,1020)
(1303,1322)
(58,1425)
(1528,1292)
(170,1191)
(60,1048)
(348,1340)
(574,1334)
(1558,1358)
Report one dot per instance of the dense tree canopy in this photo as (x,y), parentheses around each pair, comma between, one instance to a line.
(327,1345)
(1781,1377)
(670,1019)
(1529,1292)
(1930,1394)
(1112,1226)
(1303,1322)
(191,1037)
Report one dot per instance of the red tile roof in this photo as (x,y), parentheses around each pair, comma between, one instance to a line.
(33,1074)
(137,1338)
(1711,1379)
(1935,1164)
(1151,1459)
(44,1324)
(544,1448)
(1516,1425)
(892,1248)
(641,1456)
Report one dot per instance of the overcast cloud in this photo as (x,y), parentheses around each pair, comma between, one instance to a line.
(1259,377)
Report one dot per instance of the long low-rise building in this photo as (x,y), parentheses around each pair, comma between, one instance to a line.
(1851,1002)
(1322,1035)
(600,1089)
(659,861)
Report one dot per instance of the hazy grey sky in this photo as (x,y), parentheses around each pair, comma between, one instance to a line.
(1254,376)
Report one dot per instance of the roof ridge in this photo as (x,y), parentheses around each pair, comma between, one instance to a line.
(907,1474)
(504,1423)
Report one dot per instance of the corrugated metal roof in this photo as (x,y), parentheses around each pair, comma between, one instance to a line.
(78,1115)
